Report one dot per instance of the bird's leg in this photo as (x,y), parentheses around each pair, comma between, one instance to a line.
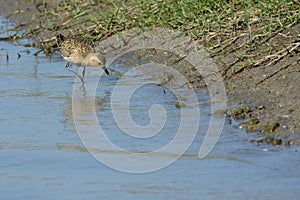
(83,72)
(68,67)
(79,76)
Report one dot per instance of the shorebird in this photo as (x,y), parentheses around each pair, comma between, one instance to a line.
(80,53)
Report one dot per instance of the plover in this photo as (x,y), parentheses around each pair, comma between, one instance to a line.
(80,53)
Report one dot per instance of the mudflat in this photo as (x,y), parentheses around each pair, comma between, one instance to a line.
(258,58)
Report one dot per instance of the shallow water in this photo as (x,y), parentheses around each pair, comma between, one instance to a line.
(42,156)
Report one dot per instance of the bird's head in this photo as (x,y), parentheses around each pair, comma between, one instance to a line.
(95,60)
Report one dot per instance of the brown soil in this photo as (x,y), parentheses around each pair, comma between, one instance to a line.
(264,96)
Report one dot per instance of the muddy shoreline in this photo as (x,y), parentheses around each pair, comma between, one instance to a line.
(263,98)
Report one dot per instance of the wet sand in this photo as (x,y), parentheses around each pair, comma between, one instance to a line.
(271,92)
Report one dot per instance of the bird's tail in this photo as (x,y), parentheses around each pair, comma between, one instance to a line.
(59,39)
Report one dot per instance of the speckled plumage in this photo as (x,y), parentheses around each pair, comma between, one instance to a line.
(80,53)
(74,50)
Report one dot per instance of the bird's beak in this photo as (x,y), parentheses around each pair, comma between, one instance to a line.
(105,69)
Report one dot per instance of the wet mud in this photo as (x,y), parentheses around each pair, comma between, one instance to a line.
(263,98)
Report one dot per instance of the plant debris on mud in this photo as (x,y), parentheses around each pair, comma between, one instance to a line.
(255,43)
